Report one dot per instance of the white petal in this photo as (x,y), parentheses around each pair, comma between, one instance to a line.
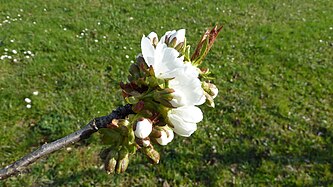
(152,35)
(190,114)
(181,34)
(182,128)
(166,61)
(166,136)
(188,91)
(147,51)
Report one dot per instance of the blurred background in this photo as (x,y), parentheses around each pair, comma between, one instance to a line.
(61,63)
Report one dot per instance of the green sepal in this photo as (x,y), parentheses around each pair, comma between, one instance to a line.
(131,100)
(111,137)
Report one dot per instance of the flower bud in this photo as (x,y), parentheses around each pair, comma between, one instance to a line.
(123,161)
(110,162)
(166,135)
(152,154)
(143,128)
(211,89)
(204,45)
(209,100)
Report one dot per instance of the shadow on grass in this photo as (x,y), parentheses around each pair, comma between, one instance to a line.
(253,161)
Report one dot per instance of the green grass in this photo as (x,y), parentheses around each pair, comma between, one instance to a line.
(273,64)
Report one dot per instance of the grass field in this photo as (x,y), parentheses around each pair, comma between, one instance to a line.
(273,64)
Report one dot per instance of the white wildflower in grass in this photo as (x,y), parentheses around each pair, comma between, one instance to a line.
(3,57)
(143,128)
(14,51)
(126,56)
(28,106)
(184,119)
(15,60)
(27,100)
(35,93)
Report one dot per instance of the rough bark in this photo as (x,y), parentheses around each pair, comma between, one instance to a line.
(46,149)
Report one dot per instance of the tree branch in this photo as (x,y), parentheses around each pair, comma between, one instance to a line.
(46,149)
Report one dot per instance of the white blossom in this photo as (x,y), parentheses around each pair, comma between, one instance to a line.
(143,128)
(167,63)
(184,119)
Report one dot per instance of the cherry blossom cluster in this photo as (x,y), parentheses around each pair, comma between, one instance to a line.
(165,87)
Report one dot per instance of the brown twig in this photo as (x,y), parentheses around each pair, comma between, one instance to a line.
(46,149)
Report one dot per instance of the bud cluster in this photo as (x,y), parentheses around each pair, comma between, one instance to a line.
(165,86)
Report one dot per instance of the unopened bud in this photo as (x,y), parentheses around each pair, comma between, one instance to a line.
(209,100)
(143,128)
(123,161)
(152,154)
(166,135)
(110,162)
(134,70)
(211,89)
